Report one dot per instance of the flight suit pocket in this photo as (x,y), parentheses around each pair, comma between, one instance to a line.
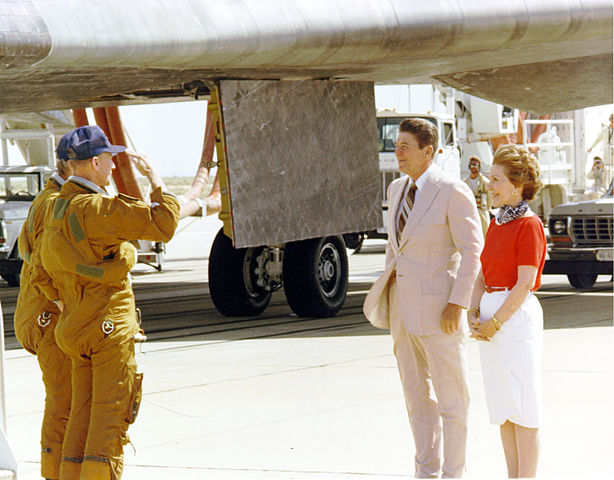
(135,398)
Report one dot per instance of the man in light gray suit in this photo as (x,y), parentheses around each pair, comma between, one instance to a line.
(432,258)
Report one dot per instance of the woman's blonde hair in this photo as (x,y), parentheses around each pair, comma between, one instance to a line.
(521,168)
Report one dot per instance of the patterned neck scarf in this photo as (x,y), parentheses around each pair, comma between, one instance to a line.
(507,213)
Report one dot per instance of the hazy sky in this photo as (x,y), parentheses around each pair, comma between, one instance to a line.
(170,134)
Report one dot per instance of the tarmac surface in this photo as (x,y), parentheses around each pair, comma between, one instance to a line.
(326,403)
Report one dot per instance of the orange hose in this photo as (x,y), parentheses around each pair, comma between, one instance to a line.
(100,115)
(520,128)
(518,137)
(80,117)
(202,173)
(122,161)
(537,131)
(539,128)
(498,141)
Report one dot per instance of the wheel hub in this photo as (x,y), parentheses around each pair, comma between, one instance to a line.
(329,267)
(262,269)
(328,270)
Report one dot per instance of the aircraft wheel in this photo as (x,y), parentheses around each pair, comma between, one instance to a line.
(582,281)
(316,276)
(232,279)
(13,279)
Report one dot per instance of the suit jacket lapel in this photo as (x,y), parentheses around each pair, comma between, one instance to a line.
(424,200)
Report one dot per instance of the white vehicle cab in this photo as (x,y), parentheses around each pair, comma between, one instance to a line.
(447,156)
(19,184)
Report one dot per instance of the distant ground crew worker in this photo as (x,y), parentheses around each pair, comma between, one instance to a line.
(597,174)
(35,319)
(86,259)
(478,184)
(606,136)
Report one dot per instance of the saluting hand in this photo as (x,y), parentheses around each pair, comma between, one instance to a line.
(140,162)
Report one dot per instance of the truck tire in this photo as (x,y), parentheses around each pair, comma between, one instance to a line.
(231,279)
(315,275)
(13,279)
(582,281)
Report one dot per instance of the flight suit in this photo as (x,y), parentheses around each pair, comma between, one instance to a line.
(35,319)
(88,234)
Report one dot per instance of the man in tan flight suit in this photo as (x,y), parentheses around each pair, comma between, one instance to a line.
(478,184)
(86,258)
(35,319)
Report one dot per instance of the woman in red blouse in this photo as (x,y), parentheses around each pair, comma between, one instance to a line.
(505,315)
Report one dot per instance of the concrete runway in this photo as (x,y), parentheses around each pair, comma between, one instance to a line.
(325,402)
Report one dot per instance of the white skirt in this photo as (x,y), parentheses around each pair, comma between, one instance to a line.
(511,362)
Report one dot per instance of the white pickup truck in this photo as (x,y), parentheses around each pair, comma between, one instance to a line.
(581,236)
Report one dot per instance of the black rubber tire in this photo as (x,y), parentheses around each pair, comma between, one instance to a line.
(353,241)
(582,281)
(315,275)
(13,279)
(233,292)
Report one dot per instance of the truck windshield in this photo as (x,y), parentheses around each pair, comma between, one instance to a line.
(388,130)
(609,192)
(19,186)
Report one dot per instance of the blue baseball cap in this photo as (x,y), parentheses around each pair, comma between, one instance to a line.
(85,142)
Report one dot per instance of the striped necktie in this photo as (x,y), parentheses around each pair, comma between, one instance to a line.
(408,204)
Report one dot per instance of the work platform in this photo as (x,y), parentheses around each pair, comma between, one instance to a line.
(324,401)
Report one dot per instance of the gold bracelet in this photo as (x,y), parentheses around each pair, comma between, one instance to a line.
(497,323)
(474,309)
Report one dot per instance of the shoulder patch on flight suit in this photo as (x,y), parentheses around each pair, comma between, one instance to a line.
(127,198)
(23,243)
(75,228)
(87,271)
(59,208)
(31,218)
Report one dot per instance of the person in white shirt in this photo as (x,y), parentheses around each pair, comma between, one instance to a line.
(478,184)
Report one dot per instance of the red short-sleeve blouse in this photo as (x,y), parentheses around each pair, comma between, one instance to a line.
(519,242)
